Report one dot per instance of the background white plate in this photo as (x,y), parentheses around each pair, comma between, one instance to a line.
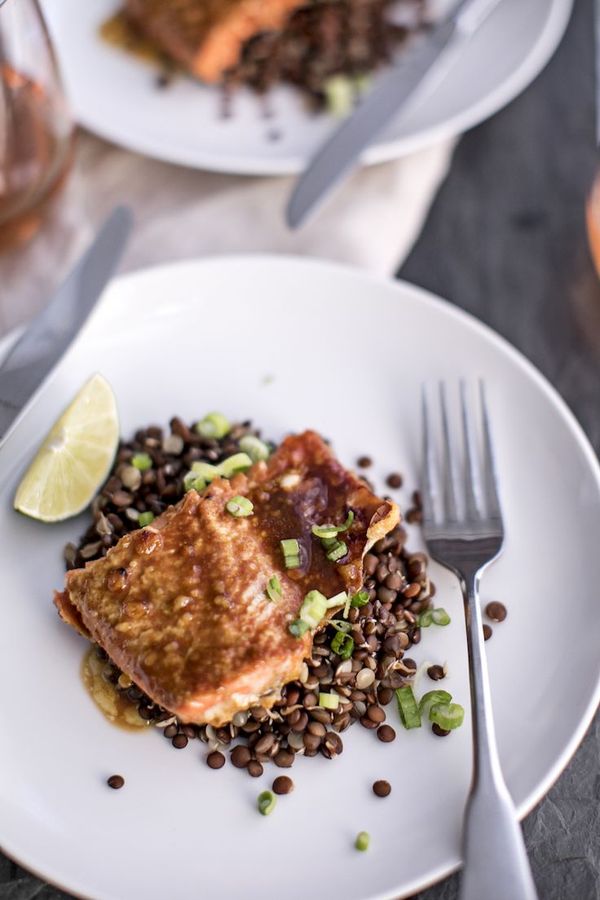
(198,336)
(115,95)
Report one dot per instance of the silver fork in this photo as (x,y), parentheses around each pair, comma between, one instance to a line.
(462,525)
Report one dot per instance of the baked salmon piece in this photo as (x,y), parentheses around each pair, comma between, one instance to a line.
(206,36)
(181,606)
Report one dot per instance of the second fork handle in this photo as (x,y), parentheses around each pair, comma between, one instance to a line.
(495,863)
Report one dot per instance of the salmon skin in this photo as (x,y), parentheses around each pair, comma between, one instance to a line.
(181,606)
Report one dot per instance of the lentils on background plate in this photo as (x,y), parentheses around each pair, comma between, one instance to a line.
(147,477)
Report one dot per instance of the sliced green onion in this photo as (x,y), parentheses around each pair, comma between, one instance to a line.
(343,645)
(192,480)
(329,701)
(145,518)
(266,803)
(254,447)
(330,532)
(239,462)
(347,605)
(338,551)
(425,619)
(447,715)
(339,95)
(440,617)
(206,471)
(341,625)
(360,599)
(346,525)
(324,531)
(431,698)
(363,839)
(298,628)
(291,553)
(240,507)
(328,543)
(313,609)
(273,589)
(407,707)
(290,547)
(339,600)
(213,425)
(141,461)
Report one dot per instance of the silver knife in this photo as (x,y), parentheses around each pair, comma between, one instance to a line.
(428,57)
(36,352)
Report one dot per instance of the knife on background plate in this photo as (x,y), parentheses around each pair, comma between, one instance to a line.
(40,347)
(426,59)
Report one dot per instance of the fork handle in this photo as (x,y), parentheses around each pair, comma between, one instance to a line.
(495,860)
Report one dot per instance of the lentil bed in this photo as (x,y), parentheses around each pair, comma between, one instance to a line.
(383,630)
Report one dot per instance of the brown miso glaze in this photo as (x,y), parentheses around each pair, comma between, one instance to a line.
(181,607)
(113,705)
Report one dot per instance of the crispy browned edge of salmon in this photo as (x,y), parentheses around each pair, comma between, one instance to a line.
(220,47)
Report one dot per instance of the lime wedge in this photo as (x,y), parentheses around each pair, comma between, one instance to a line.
(75,457)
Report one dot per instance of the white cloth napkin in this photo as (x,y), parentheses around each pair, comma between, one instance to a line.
(180,213)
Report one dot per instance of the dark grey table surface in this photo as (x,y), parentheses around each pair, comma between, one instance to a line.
(506,241)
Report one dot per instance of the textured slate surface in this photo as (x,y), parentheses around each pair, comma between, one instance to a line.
(506,241)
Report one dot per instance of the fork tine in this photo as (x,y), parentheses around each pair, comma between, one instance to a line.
(450,479)
(472,478)
(490,476)
(428,479)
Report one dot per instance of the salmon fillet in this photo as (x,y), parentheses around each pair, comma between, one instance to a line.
(206,36)
(181,607)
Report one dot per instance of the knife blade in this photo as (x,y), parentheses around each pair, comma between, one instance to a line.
(40,347)
(426,60)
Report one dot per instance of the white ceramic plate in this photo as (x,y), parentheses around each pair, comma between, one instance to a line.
(115,96)
(346,354)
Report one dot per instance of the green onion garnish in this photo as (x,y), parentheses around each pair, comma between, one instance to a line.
(213,425)
(313,609)
(338,551)
(363,839)
(347,605)
(341,625)
(328,543)
(141,461)
(440,617)
(447,715)
(291,553)
(266,803)
(330,532)
(290,547)
(329,701)
(273,589)
(206,471)
(239,462)
(324,531)
(240,507)
(298,628)
(407,707)
(193,481)
(360,599)
(145,518)
(339,600)
(433,617)
(346,525)
(431,698)
(254,447)
(343,645)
